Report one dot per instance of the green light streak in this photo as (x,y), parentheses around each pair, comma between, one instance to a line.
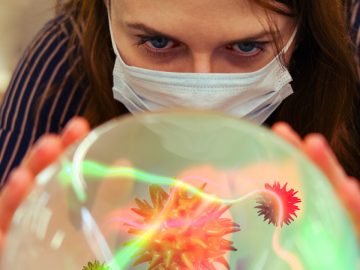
(99,171)
(93,169)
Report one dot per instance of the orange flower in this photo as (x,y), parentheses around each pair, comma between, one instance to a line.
(190,235)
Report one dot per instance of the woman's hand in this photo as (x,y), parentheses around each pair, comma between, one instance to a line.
(318,150)
(45,151)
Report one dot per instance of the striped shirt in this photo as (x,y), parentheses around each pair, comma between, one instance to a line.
(45,66)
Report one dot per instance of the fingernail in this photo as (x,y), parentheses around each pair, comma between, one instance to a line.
(319,141)
(43,142)
(324,142)
(14,175)
(40,143)
(70,126)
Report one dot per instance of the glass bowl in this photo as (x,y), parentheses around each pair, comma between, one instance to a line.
(181,190)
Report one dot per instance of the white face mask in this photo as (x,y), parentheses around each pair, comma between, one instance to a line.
(252,95)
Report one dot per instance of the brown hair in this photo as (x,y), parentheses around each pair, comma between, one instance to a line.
(98,57)
(322,66)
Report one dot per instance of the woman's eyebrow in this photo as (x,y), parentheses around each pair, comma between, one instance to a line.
(150,31)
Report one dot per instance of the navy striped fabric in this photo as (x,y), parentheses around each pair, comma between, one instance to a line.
(46,66)
(43,70)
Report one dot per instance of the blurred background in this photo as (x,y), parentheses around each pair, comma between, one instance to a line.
(20,20)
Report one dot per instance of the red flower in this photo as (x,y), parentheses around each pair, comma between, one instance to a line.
(269,208)
(190,235)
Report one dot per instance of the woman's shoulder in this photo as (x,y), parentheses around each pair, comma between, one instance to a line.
(43,93)
(64,22)
(46,69)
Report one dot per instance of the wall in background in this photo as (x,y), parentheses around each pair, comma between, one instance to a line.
(20,20)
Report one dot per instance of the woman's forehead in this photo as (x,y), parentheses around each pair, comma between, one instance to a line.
(185,8)
(187,5)
(203,17)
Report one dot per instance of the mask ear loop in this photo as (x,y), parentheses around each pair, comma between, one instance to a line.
(108,4)
(287,46)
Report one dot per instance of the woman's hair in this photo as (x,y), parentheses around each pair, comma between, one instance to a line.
(98,57)
(322,66)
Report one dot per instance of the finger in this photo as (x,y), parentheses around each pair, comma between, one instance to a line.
(286,132)
(45,151)
(20,182)
(351,194)
(317,148)
(75,130)
(347,188)
(2,241)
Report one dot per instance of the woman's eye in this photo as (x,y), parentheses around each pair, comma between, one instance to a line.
(159,43)
(247,48)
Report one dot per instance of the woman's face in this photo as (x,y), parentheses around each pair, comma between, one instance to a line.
(200,36)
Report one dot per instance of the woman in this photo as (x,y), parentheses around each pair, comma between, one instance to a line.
(67,72)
